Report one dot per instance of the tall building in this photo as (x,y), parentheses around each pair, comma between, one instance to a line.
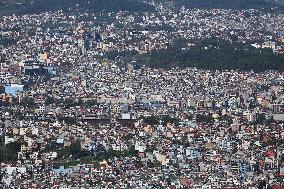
(152,2)
(130,67)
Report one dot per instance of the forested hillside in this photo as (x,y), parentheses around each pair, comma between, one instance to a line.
(8,7)
(213,54)
(37,6)
(229,4)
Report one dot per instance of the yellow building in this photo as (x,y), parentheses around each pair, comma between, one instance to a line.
(265,103)
(43,56)
(215,117)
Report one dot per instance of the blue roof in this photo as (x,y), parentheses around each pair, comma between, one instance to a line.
(14,89)
(61,169)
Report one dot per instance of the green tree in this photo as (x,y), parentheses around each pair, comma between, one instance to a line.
(228,119)
(19,115)
(28,102)
(204,118)
(68,120)
(90,103)
(213,54)
(260,119)
(10,151)
(75,148)
(49,100)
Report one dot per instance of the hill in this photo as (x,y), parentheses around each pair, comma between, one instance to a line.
(8,7)
(213,54)
(37,6)
(230,4)
(280,2)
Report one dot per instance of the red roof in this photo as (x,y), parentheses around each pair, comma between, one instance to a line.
(277,187)
(270,153)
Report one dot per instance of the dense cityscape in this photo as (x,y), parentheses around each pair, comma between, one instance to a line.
(88,99)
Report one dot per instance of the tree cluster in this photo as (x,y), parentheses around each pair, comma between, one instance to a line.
(204,118)
(68,120)
(10,151)
(212,54)
(28,102)
(155,120)
(228,4)
(35,7)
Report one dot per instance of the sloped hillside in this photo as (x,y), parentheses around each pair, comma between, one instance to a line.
(35,6)
(230,4)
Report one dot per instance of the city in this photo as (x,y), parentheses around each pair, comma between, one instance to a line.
(80,108)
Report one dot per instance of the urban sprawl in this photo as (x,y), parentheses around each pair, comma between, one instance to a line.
(71,118)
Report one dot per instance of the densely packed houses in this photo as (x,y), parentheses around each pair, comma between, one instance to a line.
(70,119)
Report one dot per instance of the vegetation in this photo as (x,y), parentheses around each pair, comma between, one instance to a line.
(208,118)
(31,6)
(10,151)
(34,7)
(204,118)
(213,54)
(68,120)
(90,103)
(19,115)
(274,142)
(154,164)
(73,150)
(281,2)
(104,155)
(69,102)
(64,154)
(5,41)
(261,119)
(49,100)
(28,102)
(74,155)
(51,147)
(228,4)
(226,118)
(155,120)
